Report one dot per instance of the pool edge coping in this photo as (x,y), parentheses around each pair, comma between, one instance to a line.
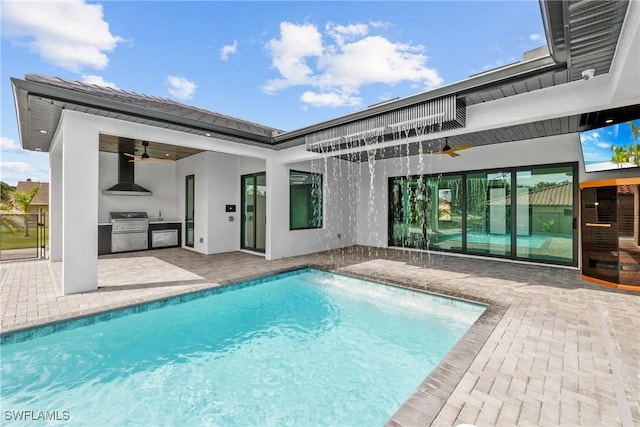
(425,403)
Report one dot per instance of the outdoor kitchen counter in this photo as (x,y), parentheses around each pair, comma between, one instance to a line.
(163,220)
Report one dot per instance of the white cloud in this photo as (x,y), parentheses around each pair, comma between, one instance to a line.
(71,34)
(338,69)
(9,145)
(535,37)
(333,99)
(180,87)
(12,172)
(289,53)
(228,50)
(342,33)
(602,144)
(97,80)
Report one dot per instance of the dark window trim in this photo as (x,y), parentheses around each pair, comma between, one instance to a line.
(321,175)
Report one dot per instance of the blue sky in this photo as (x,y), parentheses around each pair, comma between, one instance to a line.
(281,64)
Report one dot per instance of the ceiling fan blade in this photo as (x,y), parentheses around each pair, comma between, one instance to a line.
(130,155)
(150,159)
(452,153)
(158,159)
(462,147)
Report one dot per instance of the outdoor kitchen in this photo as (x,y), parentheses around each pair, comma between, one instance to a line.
(137,203)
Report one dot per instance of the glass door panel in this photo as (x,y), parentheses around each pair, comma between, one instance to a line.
(445,219)
(489,213)
(254,202)
(409,213)
(545,214)
(189,210)
(261,212)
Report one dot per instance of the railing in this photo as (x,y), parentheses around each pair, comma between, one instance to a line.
(23,236)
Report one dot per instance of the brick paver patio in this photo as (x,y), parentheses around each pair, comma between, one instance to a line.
(554,351)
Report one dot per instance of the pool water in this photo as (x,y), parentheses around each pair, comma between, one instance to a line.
(304,348)
(532,241)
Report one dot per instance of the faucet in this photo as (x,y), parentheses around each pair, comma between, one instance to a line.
(160,215)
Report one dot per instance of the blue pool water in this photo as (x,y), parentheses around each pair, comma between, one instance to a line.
(304,348)
(532,241)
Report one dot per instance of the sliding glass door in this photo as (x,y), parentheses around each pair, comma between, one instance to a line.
(254,212)
(526,213)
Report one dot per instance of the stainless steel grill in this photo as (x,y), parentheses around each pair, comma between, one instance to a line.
(129,231)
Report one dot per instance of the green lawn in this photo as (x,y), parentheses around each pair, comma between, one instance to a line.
(17,240)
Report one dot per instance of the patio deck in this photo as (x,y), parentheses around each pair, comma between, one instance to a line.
(560,351)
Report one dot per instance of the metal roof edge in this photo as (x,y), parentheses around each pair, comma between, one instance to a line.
(62,94)
(16,102)
(477,81)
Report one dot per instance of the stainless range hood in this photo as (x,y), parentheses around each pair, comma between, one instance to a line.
(125,185)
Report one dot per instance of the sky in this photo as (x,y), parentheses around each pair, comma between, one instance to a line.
(281,64)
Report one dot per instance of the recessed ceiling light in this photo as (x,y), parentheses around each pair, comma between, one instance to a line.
(38,149)
(167,154)
(608,121)
(207,134)
(43,131)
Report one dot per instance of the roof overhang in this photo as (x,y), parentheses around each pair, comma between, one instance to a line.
(39,106)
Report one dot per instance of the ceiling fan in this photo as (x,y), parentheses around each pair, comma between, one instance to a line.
(448,150)
(144,157)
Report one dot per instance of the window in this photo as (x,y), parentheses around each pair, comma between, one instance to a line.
(305,200)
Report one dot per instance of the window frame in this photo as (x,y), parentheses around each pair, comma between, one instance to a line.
(321,186)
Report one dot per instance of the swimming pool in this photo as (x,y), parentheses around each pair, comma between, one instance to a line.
(302,348)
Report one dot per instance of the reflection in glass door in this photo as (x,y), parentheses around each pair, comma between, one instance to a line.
(489,213)
(545,214)
(254,212)
(189,209)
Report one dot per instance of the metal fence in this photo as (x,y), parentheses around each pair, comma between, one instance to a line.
(23,236)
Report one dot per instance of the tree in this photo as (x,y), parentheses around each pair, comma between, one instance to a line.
(17,203)
(634,148)
(619,155)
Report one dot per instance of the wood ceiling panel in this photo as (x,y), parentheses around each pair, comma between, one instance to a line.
(112,144)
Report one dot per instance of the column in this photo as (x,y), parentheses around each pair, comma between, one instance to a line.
(79,204)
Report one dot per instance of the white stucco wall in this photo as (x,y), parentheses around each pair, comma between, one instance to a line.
(223,189)
(79,205)
(339,215)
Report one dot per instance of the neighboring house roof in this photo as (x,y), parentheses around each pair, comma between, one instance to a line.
(558,195)
(42,197)
(626,189)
